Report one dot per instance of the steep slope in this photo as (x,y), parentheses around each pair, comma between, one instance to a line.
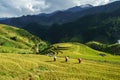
(15,40)
(103,27)
(80,50)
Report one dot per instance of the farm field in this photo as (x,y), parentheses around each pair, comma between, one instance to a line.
(42,67)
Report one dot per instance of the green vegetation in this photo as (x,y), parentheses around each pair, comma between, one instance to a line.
(101,27)
(109,48)
(54,50)
(15,40)
(79,50)
(40,67)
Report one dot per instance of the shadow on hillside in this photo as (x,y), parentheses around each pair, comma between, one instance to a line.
(77,63)
(49,61)
(63,62)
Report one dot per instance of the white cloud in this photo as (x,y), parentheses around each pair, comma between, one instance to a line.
(12,8)
(93,2)
(21,7)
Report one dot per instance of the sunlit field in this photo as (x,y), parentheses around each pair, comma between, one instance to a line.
(42,67)
(77,50)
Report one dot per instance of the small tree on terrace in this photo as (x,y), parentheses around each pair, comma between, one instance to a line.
(54,50)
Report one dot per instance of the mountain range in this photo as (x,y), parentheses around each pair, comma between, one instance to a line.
(80,23)
(101,27)
(61,17)
(47,19)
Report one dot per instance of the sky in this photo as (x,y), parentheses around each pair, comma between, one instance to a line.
(16,8)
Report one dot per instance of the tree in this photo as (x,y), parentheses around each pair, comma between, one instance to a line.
(39,47)
(54,50)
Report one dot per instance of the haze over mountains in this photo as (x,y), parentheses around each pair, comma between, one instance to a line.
(75,24)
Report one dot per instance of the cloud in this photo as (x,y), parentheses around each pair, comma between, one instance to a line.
(14,8)
(10,8)
(93,2)
(64,4)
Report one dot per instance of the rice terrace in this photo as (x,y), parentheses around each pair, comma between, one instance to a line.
(41,67)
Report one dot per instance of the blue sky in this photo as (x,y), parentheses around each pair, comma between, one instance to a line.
(15,8)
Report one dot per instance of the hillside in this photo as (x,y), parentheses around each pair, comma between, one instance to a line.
(41,67)
(15,40)
(109,48)
(79,50)
(104,27)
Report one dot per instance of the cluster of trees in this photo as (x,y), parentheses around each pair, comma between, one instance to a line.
(50,50)
(113,49)
(54,50)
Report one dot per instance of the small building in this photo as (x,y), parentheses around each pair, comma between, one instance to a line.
(119,41)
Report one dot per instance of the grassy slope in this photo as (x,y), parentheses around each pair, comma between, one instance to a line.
(22,43)
(40,67)
(79,50)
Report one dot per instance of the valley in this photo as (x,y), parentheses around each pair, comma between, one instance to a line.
(80,42)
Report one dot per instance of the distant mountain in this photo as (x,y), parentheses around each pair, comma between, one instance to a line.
(79,8)
(3,18)
(47,19)
(86,28)
(75,9)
